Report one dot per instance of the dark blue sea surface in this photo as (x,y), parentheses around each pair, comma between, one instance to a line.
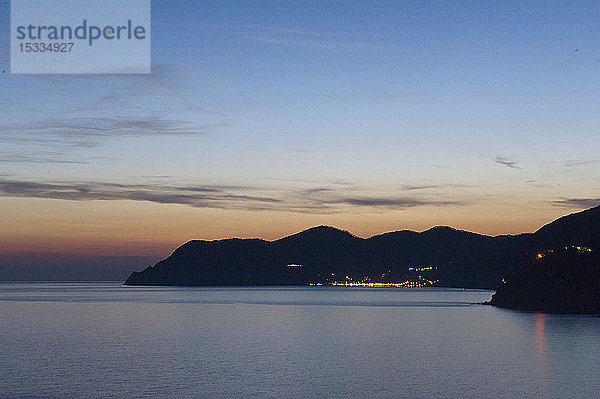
(111,341)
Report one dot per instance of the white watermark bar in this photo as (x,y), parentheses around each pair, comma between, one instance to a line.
(80,36)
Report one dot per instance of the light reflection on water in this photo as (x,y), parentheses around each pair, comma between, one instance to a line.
(541,361)
(106,340)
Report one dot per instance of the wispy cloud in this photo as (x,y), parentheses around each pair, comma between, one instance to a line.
(298,37)
(394,202)
(580,162)
(198,196)
(310,181)
(30,138)
(317,190)
(506,162)
(90,127)
(152,177)
(65,137)
(122,107)
(577,203)
(332,45)
(410,187)
(419,187)
(21,158)
(323,199)
(318,200)
(316,94)
(163,79)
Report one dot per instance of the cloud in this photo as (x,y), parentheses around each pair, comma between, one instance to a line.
(393,202)
(20,158)
(505,162)
(231,197)
(124,106)
(319,200)
(317,190)
(331,45)
(309,181)
(152,177)
(32,150)
(86,127)
(32,140)
(409,187)
(316,94)
(42,141)
(578,202)
(162,77)
(118,92)
(416,187)
(286,36)
(571,163)
(339,198)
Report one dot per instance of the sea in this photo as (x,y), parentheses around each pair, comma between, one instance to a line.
(105,340)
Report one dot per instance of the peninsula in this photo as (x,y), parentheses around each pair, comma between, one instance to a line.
(564,280)
(441,256)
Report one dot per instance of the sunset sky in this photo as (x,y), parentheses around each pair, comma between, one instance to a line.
(261,120)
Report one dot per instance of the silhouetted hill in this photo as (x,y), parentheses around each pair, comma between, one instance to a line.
(320,234)
(576,229)
(339,251)
(440,256)
(222,262)
(566,280)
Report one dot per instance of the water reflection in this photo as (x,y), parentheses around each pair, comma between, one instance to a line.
(541,361)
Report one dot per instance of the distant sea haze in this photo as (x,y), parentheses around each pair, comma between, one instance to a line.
(69,267)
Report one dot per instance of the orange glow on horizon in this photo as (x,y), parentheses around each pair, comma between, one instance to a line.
(141,228)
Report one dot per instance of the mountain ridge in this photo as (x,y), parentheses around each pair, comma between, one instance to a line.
(325,254)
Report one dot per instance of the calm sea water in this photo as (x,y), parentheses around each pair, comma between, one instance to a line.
(110,341)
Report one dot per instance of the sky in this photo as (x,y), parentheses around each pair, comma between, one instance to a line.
(261,119)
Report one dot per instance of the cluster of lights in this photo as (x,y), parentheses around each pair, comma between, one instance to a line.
(366,282)
(420,269)
(410,284)
(579,248)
